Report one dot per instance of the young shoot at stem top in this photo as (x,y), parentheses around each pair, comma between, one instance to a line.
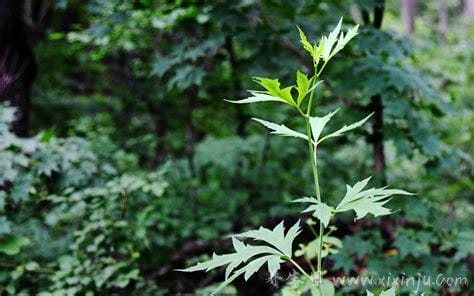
(272,247)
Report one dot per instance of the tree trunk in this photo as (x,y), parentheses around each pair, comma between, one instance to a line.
(377,136)
(442,21)
(408,12)
(377,107)
(468,9)
(17,63)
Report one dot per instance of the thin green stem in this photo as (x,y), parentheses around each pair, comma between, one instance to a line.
(309,263)
(320,251)
(314,165)
(313,231)
(322,68)
(313,159)
(300,269)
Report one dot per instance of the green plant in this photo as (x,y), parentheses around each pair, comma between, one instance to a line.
(275,246)
(72,220)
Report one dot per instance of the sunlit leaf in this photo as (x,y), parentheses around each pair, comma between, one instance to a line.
(258,97)
(331,40)
(302,86)
(272,87)
(304,41)
(280,129)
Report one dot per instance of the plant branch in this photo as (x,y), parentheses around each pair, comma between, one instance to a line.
(314,166)
(300,269)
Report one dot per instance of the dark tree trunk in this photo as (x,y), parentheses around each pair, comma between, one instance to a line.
(17,63)
(377,107)
(377,136)
(442,21)
(408,11)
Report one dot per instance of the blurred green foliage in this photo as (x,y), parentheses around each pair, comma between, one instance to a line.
(137,152)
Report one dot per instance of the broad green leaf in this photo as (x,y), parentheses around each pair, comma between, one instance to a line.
(258,97)
(346,128)
(370,201)
(11,245)
(320,210)
(302,86)
(280,129)
(275,245)
(272,87)
(318,123)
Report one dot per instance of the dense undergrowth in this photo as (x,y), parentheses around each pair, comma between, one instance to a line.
(137,167)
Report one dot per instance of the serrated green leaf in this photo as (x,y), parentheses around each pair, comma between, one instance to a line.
(304,41)
(370,201)
(331,40)
(275,237)
(343,40)
(258,97)
(272,87)
(280,129)
(320,210)
(273,265)
(318,123)
(255,265)
(276,245)
(346,128)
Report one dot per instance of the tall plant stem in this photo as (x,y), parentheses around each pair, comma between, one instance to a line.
(314,165)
